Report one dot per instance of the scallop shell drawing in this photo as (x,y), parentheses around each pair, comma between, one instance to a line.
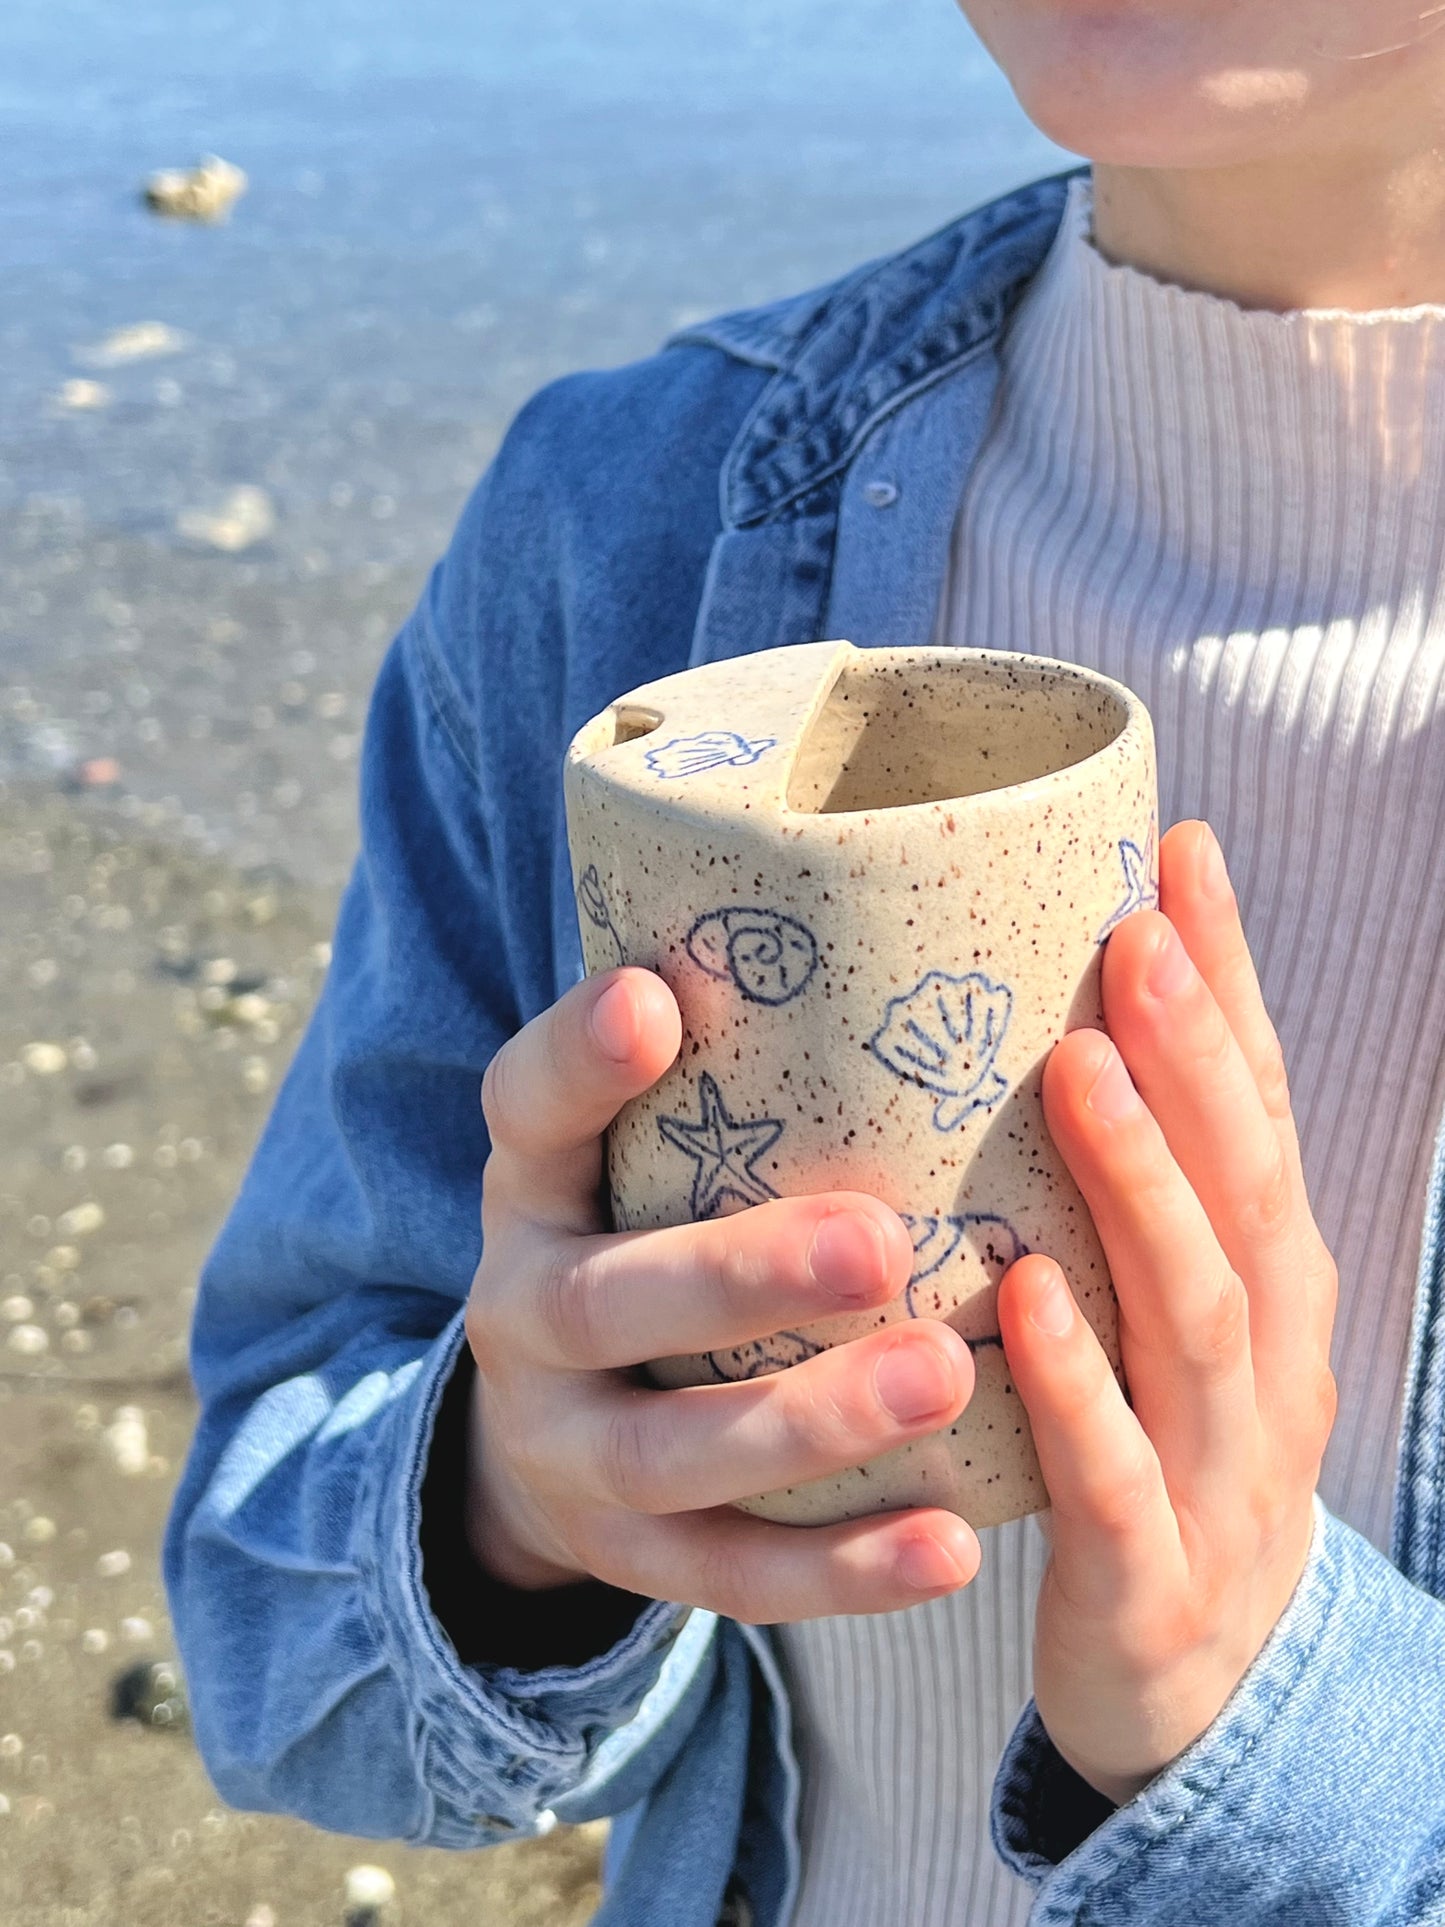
(945,1036)
(711,749)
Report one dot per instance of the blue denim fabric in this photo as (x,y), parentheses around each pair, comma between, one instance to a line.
(720,498)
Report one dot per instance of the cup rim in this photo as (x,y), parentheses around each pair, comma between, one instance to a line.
(1135,729)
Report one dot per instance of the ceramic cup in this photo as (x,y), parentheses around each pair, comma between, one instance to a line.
(878,882)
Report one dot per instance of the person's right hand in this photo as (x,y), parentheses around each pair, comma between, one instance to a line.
(578,1468)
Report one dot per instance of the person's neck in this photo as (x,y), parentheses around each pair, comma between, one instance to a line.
(1283,234)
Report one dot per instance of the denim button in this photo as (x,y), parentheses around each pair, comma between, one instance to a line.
(880,495)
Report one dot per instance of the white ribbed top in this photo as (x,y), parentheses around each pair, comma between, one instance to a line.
(1241,515)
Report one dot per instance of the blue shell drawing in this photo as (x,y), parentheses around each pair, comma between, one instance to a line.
(593,905)
(1141,884)
(725,1151)
(762,1356)
(945,1036)
(714,749)
(936,1240)
(770,957)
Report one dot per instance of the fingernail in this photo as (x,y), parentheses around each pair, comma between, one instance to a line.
(847,1257)
(1213,876)
(614,1026)
(1053,1309)
(927,1566)
(914,1382)
(1171,971)
(1112,1095)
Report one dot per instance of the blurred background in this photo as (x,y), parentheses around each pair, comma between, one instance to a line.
(229,451)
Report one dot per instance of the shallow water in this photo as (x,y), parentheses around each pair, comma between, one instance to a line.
(448,206)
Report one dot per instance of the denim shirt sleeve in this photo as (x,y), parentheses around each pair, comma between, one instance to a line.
(328,1321)
(1315,1799)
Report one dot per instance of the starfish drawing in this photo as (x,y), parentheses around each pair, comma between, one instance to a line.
(1141,892)
(724,1149)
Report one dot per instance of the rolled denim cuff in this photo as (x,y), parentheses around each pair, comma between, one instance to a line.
(496,1748)
(1313,1796)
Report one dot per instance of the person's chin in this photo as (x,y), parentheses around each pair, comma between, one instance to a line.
(1218,121)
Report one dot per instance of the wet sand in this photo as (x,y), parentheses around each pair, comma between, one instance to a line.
(154,994)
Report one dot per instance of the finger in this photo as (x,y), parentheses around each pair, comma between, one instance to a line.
(766,1574)
(1113,1528)
(1196,894)
(553,1088)
(1193,1074)
(620,1299)
(1184,1314)
(710,1445)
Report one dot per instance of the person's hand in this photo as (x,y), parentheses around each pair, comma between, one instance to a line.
(577,1467)
(1179,1528)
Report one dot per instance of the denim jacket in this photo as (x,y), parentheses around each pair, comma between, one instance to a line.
(772,477)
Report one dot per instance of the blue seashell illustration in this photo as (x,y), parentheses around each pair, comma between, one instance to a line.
(593,905)
(770,957)
(1141,881)
(725,1150)
(714,749)
(990,1237)
(945,1036)
(762,1356)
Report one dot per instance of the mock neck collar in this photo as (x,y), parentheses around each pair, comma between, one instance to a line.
(1203,415)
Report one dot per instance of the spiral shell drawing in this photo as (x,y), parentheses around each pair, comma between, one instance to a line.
(770,957)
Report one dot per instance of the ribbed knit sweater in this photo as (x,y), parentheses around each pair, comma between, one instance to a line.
(1241,515)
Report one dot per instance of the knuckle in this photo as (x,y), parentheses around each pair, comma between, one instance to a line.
(1123,1510)
(1215,1051)
(564,1311)
(722,1581)
(824,1424)
(498,1080)
(1153,1193)
(1266,1210)
(480,1326)
(1219,1333)
(628,1460)
(729,1267)
(1272,1077)
(1324,1405)
(1268,1513)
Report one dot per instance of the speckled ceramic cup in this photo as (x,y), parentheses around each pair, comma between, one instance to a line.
(878,882)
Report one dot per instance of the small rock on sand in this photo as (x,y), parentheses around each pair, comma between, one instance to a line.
(206,192)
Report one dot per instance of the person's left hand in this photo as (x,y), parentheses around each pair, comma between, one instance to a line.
(1181,1527)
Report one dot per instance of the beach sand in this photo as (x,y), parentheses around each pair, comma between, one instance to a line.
(154,995)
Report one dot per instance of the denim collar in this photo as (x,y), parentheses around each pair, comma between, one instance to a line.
(847,357)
